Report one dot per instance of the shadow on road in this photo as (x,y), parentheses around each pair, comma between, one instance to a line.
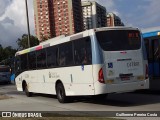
(129,99)
(5,84)
(122,100)
(149,92)
(45,95)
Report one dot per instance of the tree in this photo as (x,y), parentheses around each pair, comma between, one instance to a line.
(1,52)
(6,54)
(9,52)
(23,42)
(44,37)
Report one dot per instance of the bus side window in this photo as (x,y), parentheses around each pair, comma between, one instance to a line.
(76,57)
(17,64)
(84,58)
(32,60)
(82,51)
(65,54)
(41,58)
(24,63)
(156,50)
(62,59)
(52,56)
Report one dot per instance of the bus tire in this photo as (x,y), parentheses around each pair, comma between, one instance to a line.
(28,94)
(61,95)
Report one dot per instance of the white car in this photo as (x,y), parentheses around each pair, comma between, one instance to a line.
(5,73)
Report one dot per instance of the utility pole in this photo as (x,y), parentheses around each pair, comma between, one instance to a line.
(28,24)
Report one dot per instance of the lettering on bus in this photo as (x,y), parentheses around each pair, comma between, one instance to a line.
(26,76)
(132,64)
(53,75)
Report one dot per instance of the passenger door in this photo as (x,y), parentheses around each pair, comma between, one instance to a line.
(156,57)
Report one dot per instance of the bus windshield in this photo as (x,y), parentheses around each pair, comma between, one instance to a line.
(118,40)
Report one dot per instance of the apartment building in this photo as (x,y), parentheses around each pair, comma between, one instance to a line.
(113,20)
(94,15)
(57,17)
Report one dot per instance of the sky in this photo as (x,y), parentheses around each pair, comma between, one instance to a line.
(135,13)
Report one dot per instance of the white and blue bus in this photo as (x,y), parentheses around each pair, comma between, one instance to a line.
(152,43)
(94,62)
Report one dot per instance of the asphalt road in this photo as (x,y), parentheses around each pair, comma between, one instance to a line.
(17,101)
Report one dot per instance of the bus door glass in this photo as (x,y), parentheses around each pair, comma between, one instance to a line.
(17,65)
(149,55)
(156,57)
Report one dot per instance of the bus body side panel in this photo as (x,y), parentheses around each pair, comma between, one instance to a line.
(29,77)
(81,81)
(77,80)
(18,83)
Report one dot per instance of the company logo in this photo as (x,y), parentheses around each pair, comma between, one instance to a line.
(110,65)
(6,114)
(19,114)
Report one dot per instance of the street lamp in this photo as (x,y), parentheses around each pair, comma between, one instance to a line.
(28,24)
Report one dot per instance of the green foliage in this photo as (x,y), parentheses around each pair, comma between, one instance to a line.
(6,54)
(23,42)
(44,37)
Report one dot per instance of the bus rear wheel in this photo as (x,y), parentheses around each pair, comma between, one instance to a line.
(61,95)
(28,94)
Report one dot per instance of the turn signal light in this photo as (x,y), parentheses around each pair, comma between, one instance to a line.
(100,76)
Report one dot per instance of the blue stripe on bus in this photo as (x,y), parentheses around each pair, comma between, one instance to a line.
(97,57)
(150,34)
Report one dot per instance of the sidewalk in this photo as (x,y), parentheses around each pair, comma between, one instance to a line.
(2,97)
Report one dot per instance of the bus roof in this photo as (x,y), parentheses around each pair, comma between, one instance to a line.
(63,38)
(116,28)
(151,32)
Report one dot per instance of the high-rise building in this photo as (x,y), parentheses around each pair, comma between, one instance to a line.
(43,17)
(57,17)
(94,15)
(113,20)
(68,17)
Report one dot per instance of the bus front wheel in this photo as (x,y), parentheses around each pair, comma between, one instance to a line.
(61,95)
(28,94)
